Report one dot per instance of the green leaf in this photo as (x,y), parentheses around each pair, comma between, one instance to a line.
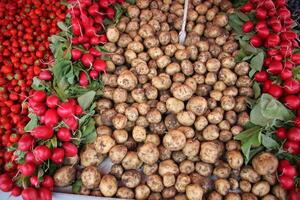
(131,1)
(245,135)
(37,84)
(86,100)
(101,48)
(256,89)
(12,147)
(253,141)
(107,22)
(62,26)
(32,123)
(242,16)
(257,118)
(89,138)
(248,49)
(235,23)
(296,73)
(238,3)
(252,73)
(76,186)
(253,152)
(257,61)
(119,13)
(269,142)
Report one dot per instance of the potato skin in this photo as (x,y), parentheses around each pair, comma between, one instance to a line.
(265,163)
(90,177)
(194,192)
(174,140)
(108,185)
(210,151)
(64,176)
(148,153)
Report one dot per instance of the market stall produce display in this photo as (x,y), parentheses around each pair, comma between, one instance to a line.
(101,98)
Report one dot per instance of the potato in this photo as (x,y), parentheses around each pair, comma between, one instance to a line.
(198,105)
(89,157)
(133,11)
(64,176)
(194,192)
(227,76)
(182,92)
(186,167)
(116,170)
(142,192)
(168,167)
(222,171)
(200,123)
(117,153)
(131,178)
(162,81)
(210,151)
(169,180)
(279,192)
(150,169)
(127,80)
(148,153)
(248,173)
(214,196)
(245,186)
(235,159)
(248,196)
(104,143)
(186,118)
(174,140)
(261,188)
(90,177)
(119,121)
(113,34)
(120,136)
(182,181)
(222,186)
(155,183)
(232,196)
(265,163)
(213,65)
(125,193)
(211,132)
(131,161)
(108,185)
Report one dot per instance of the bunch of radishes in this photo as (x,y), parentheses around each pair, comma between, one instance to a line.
(56,120)
(87,19)
(273,31)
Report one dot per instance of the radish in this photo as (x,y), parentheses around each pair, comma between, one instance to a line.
(261,76)
(272,41)
(45,194)
(286,182)
(89,31)
(247,7)
(58,155)
(99,65)
(64,134)
(104,3)
(292,102)
(276,91)
(30,194)
(34,181)
(260,13)
(66,109)
(52,101)
(71,122)
(6,183)
(268,4)
(94,74)
(76,54)
(294,194)
(248,26)
(76,27)
(293,134)
(87,60)
(95,52)
(26,142)
(284,14)
(292,147)
(39,109)
(48,182)
(267,85)
(70,149)
(263,32)
(16,191)
(110,13)
(29,158)
(51,118)
(272,52)
(267,61)
(94,9)
(281,133)
(289,170)
(295,58)
(94,40)
(42,132)
(275,67)
(288,35)
(27,169)
(39,96)
(103,38)
(286,74)
(291,86)
(83,80)
(297,121)
(78,110)
(256,41)
(42,153)
(45,75)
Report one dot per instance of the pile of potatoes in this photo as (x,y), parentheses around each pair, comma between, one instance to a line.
(169,112)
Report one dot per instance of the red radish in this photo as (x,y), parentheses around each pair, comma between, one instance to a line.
(278,57)
(42,132)
(282,164)
(261,24)
(280,3)
(276,91)
(70,149)
(256,41)
(248,26)
(71,122)
(267,85)
(30,158)
(42,153)
(16,191)
(30,194)
(52,101)
(94,40)
(45,75)
(288,35)
(284,13)
(110,13)
(286,51)
(48,182)
(94,74)
(263,32)
(292,147)
(94,9)
(95,52)
(83,80)
(272,52)
(27,169)
(76,27)
(261,13)
(103,38)
(45,194)
(261,76)
(295,58)
(6,183)
(39,109)
(272,40)
(58,155)
(63,134)
(288,64)
(87,60)
(291,86)
(293,134)
(65,110)
(39,96)
(267,61)
(286,182)
(297,121)
(34,181)
(289,170)
(281,133)
(26,142)
(76,54)
(51,118)
(294,194)
(292,102)
(247,7)
(72,101)
(99,65)
(90,31)
(275,67)
(78,110)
